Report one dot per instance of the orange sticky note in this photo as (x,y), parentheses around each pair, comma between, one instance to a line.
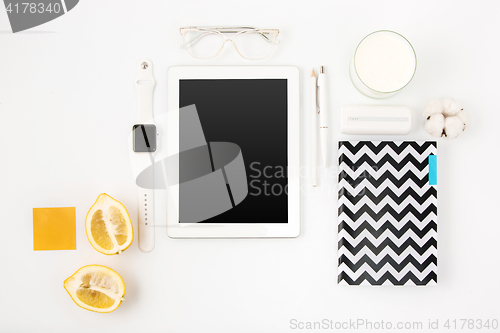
(54,229)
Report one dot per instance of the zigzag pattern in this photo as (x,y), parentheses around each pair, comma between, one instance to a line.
(387,251)
(388,217)
(387,268)
(354,249)
(365,159)
(418,152)
(376,199)
(418,203)
(367,237)
(394,210)
(388,277)
(343,260)
(377,188)
(388,172)
(387,214)
(343,226)
(396,146)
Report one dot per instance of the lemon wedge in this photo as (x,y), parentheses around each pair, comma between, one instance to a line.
(96,288)
(108,226)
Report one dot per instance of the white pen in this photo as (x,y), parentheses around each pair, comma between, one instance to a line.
(314,113)
(323,116)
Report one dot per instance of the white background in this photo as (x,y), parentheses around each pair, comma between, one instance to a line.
(67,103)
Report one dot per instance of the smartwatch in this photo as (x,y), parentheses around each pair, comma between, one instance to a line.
(144,144)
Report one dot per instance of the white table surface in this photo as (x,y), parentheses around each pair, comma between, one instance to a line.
(67,102)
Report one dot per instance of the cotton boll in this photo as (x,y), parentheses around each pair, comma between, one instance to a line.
(451,107)
(435,124)
(464,116)
(434,106)
(446,102)
(445,117)
(453,126)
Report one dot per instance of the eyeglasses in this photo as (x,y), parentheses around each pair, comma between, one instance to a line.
(250,43)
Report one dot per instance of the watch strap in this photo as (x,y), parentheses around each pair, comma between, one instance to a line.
(146,219)
(145,84)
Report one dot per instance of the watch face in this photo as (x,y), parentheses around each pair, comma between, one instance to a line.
(144,138)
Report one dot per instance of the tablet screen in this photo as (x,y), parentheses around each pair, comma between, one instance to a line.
(233,151)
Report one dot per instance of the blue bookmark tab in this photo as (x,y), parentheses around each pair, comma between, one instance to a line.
(433,179)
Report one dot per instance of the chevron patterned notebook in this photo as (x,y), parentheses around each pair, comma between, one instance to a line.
(387,232)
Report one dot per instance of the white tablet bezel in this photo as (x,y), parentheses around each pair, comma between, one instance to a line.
(237,230)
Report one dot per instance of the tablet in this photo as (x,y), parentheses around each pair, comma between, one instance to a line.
(233,141)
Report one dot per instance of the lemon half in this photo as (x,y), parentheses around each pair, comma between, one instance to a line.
(108,226)
(96,288)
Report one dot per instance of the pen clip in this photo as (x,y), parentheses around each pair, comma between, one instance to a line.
(317,100)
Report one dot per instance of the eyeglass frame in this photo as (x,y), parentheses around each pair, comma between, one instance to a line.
(228,30)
